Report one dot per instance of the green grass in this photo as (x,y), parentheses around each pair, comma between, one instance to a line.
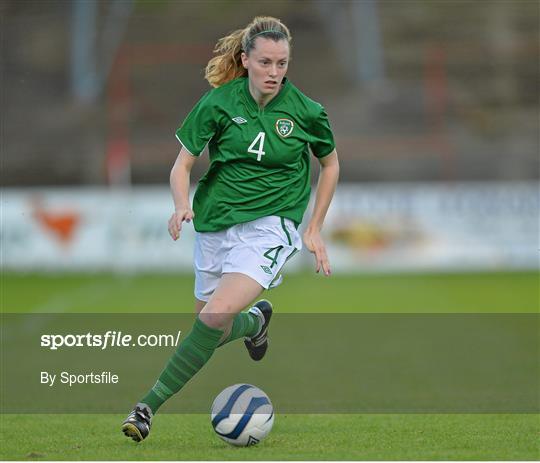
(294,437)
(409,293)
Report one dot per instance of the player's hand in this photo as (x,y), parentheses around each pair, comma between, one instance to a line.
(175,222)
(315,244)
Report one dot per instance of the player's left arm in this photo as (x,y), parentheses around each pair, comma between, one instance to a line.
(326,186)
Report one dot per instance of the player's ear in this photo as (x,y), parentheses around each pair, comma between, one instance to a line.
(244,60)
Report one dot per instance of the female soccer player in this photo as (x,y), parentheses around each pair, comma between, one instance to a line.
(260,129)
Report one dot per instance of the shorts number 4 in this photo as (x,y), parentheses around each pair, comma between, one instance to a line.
(272,254)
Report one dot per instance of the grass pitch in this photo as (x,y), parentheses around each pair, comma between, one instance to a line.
(294,437)
(302,293)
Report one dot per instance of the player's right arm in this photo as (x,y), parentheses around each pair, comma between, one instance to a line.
(180,174)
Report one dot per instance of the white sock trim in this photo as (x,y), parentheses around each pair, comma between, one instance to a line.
(256,311)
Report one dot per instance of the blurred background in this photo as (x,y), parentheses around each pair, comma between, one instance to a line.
(434,106)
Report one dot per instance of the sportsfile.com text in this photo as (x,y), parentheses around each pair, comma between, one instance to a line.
(109,339)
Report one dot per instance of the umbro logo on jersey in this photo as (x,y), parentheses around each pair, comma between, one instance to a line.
(239,120)
(284,127)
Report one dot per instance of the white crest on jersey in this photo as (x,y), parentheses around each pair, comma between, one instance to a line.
(284,127)
(239,120)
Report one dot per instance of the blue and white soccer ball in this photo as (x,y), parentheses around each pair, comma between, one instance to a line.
(242,415)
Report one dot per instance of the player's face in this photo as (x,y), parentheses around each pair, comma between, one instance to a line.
(267,64)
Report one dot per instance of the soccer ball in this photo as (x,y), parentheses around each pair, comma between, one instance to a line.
(242,415)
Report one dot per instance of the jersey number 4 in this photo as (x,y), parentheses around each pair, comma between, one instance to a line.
(258,150)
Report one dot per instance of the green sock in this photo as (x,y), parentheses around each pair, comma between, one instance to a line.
(244,324)
(190,356)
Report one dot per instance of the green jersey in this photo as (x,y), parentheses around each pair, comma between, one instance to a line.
(259,157)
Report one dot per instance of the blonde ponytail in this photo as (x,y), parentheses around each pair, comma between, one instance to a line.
(227,65)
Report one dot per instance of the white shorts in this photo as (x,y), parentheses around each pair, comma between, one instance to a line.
(258,249)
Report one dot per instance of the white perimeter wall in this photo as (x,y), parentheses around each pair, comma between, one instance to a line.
(379,227)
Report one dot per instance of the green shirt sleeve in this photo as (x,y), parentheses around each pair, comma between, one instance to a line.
(322,139)
(199,127)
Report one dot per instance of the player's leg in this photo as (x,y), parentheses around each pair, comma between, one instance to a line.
(199,305)
(219,312)
(234,292)
(262,247)
(243,326)
(221,253)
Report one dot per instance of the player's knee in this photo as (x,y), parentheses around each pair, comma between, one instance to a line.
(215,320)
(219,305)
(217,313)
